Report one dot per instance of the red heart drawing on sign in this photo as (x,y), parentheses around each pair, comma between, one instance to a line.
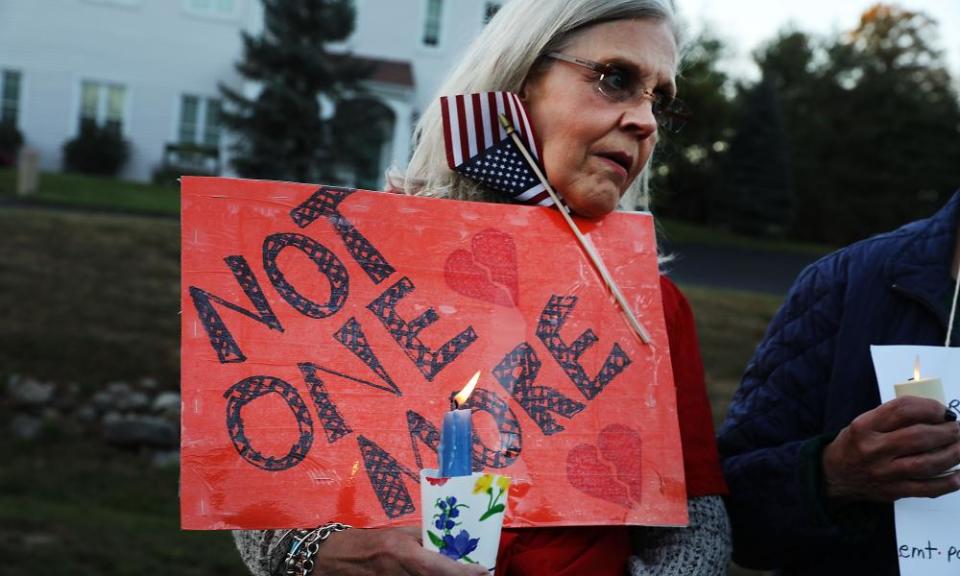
(612,472)
(488,271)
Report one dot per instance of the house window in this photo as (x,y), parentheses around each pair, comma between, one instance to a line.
(211,124)
(199,121)
(117,2)
(490,10)
(103,103)
(9,96)
(431,24)
(214,8)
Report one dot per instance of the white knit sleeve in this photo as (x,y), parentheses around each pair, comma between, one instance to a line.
(263,551)
(700,549)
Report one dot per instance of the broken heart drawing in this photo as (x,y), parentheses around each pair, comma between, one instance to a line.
(611,469)
(488,271)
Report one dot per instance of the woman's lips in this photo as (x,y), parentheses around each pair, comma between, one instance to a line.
(615,166)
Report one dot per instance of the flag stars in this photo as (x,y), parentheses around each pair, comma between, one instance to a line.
(500,168)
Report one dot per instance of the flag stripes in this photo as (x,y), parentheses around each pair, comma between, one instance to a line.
(479,148)
(470,124)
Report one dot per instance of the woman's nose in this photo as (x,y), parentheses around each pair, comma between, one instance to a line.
(638,118)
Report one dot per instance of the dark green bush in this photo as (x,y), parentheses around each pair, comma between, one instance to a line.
(186,160)
(10,141)
(99,150)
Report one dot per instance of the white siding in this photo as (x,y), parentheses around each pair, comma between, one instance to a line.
(158,51)
(393,29)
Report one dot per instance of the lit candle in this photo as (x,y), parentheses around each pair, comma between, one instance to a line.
(456,454)
(924,387)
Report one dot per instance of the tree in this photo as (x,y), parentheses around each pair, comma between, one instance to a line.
(792,96)
(758,185)
(870,123)
(687,164)
(284,131)
(896,125)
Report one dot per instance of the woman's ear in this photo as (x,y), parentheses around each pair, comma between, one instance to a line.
(529,87)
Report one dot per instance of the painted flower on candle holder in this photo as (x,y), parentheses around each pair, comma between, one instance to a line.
(485,484)
(449,509)
(457,547)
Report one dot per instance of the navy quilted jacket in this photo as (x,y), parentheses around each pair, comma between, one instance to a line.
(809,378)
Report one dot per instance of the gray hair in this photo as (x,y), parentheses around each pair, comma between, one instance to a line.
(502,58)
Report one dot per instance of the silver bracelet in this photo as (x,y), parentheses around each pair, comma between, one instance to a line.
(305,544)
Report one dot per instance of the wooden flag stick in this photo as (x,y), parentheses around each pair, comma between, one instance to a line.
(584,241)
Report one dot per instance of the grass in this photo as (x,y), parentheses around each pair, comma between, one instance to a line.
(730,324)
(93,298)
(72,506)
(89,297)
(82,191)
(677,232)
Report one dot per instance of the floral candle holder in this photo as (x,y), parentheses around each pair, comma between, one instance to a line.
(463,515)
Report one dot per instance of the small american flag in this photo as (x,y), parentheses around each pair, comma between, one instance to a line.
(479,148)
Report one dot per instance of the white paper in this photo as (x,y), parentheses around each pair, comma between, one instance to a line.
(928,542)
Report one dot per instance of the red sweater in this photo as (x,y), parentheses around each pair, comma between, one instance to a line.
(604,550)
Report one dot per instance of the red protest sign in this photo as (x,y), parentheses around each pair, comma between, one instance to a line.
(325,331)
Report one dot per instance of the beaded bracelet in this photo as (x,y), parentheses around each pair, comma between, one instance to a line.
(305,544)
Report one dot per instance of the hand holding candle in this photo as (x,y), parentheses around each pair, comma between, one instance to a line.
(456,436)
(931,388)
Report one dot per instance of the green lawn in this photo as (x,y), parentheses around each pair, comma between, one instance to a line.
(89,297)
(686,233)
(730,325)
(93,192)
(73,506)
(92,298)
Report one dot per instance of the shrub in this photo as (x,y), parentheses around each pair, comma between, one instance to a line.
(186,159)
(10,141)
(99,150)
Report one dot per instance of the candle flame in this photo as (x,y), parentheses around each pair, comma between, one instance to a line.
(464,394)
(916,368)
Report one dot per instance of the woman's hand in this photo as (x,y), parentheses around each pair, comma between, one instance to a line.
(894,451)
(386,552)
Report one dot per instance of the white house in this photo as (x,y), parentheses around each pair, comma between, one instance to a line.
(152,67)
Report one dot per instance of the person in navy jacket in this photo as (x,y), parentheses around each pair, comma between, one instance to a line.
(812,459)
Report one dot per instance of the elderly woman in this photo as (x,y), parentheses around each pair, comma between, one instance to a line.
(597,78)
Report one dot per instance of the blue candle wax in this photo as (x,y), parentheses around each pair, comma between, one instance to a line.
(455,444)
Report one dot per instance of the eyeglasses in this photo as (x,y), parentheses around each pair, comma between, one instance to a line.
(619,85)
